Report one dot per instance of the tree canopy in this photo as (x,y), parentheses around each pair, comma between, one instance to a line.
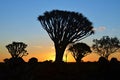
(65,27)
(17,49)
(106,45)
(79,50)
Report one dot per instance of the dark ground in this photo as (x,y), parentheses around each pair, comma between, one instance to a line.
(62,71)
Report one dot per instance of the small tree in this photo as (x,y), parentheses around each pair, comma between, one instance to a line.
(106,46)
(65,27)
(79,50)
(17,49)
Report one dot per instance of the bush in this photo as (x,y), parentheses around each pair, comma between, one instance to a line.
(33,60)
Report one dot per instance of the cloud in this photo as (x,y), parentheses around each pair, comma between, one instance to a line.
(102,28)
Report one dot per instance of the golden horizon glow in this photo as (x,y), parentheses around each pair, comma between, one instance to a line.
(48,53)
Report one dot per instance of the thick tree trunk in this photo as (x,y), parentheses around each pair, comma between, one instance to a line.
(59,49)
(79,58)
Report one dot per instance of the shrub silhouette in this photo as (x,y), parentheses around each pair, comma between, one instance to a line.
(65,27)
(14,62)
(114,61)
(103,60)
(79,50)
(33,60)
(6,60)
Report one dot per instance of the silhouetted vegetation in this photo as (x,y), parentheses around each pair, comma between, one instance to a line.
(14,62)
(79,50)
(106,45)
(64,71)
(17,49)
(6,60)
(103,60)
(48,61)
(33,60)
(114,61)
(65,27)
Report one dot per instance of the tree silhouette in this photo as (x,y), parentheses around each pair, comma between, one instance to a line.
(106,46)
(17,49)
(65,27)
(79,50)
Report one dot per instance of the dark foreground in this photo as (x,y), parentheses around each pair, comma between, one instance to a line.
(63,71)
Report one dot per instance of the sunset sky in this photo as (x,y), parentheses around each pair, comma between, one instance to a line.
(18,22)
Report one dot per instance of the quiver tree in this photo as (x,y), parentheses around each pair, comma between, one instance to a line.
(79,50)
(106,46)
(65,27)
(17,49)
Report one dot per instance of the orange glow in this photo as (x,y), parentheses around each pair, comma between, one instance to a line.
(91,57)
(115,55)
(48,53)
(41,53)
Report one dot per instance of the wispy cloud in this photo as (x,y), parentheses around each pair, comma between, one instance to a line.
(37,46)
(101,28)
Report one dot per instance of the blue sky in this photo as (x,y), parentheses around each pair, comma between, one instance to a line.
(18,19)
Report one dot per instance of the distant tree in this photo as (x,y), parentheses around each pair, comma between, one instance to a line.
(65,27)
(106,46)
(17,49)
(79,50)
